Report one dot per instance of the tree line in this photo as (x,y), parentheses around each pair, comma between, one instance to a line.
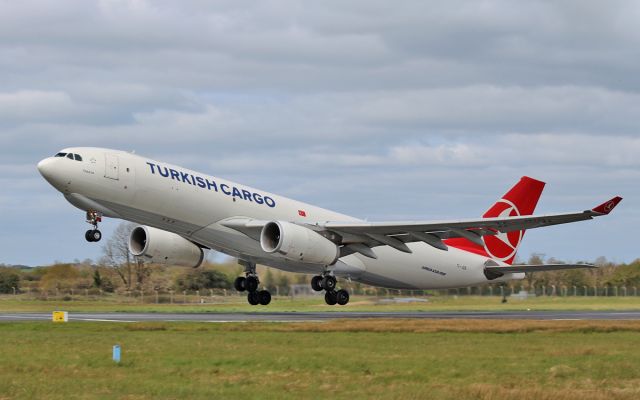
(118,270)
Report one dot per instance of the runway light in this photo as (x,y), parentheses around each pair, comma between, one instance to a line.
(116,353)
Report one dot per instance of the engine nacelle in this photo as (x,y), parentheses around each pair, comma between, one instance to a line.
(158,246)
(298,243)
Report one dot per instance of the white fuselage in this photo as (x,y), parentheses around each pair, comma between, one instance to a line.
(193,205)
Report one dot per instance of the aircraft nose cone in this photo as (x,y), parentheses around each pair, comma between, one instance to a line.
(44,167)
(50,172)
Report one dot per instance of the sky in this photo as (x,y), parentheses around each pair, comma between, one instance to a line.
(413,110)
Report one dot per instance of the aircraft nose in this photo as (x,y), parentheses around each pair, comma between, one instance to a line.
(45,168)
(50,172)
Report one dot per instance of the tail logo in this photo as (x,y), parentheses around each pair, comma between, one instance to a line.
(503,246)
(609,206)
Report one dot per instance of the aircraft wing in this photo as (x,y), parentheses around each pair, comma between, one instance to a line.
(361,237)
(396,234)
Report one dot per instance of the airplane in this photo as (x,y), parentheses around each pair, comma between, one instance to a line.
(182,213)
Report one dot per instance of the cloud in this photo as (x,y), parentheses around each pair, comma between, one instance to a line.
(34,105)
(576,150)
(506,108)
(389,111)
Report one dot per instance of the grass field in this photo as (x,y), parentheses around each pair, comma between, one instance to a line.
(9,303)
(452,359)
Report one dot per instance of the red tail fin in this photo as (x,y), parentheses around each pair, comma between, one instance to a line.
(520,200)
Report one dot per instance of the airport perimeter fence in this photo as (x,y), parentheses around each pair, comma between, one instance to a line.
(217,296)
(550,290)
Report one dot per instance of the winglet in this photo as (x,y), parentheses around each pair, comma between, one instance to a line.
(606,207)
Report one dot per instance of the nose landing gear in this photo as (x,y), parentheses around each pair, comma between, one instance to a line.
(328,283)
(93,235)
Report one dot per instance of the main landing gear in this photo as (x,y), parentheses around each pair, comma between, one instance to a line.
(93,235)
(328,283)
(250,284)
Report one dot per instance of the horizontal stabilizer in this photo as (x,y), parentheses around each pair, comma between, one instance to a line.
(534,268)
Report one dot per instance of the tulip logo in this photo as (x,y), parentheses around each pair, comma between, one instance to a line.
(503,246)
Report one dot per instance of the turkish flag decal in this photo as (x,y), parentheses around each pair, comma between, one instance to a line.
(302,213)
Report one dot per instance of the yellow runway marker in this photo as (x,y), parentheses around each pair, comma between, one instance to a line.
(60,316)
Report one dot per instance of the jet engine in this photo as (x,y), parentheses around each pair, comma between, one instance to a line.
(298,243)
(158,246)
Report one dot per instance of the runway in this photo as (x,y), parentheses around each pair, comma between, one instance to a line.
(324,316)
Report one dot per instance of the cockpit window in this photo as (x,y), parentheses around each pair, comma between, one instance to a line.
(70,156)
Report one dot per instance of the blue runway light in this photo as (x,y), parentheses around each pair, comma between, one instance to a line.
(116,353)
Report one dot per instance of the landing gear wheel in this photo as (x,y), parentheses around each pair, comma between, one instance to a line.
(239,283)
(329,283)
(252,298)
(331,297)
(251,283)
(342,297)
(316,283)
(93,235)
(264,297)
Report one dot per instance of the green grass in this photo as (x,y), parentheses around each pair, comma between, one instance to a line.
(304,304)
(346,359)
